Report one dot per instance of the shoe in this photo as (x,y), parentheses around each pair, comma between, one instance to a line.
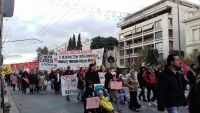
(154,103)
(139,98)
(136,110)
(144,100)
(131,108)
(149,104)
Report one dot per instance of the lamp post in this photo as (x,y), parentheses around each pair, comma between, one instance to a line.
(179,37)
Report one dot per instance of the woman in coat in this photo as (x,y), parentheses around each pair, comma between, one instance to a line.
(133,87)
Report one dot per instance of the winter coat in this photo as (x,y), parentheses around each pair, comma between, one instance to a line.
(32,79)
(14,80)
(170,89)
(132,84)
(92,77)
(81,78)
(141,80)
(149,78)
(108,77)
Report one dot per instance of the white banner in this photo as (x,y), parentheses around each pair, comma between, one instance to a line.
(47,62)
(80,58)
(69,85)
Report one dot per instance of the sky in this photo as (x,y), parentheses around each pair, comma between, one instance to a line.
(55,21)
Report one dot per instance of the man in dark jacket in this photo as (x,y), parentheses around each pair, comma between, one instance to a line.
(32,81)
(170,86)
(92,75)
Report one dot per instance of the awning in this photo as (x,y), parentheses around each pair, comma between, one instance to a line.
(147,27)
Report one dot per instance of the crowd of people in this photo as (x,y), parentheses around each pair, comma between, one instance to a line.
(165,86)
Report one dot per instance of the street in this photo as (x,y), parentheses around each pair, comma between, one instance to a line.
(51,103)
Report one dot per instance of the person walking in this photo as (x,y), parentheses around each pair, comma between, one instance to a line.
(150,79)
(80,85)
(41,79)
(56,80)
(25,82)
(170,86)
(68,72)
(142,84)
(133,87)
(32,81)
(14,81)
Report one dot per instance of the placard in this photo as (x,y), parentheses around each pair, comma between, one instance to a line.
(92,102)
(47,62)
(69,85)
(116,85)
(102,77)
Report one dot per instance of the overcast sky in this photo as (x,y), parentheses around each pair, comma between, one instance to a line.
(55,21)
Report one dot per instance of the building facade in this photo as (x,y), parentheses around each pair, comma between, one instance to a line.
(155,26)
(192,32)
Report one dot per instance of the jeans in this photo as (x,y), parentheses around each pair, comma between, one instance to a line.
(149,89)
(80,94)
(172,110)
(142,93)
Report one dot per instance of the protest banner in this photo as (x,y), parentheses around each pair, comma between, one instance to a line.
(102,77)
(26,66)
(69,85)
(116,85)
(80,58)
(47,62)
(92,102)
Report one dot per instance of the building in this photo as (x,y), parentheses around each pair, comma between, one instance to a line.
(153,27)
(192,32)
(85,46)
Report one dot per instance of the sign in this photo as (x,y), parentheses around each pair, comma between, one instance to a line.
(102,77)
(6,69)
(92,102)
(116,85)
(80,58)
(69,85)
(184,67)
(27,66)
(47,62)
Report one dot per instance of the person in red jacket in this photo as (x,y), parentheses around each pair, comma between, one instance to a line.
(150,79)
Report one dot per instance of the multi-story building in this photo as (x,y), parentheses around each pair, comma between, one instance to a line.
(192,32)
(155,26)
(85,46)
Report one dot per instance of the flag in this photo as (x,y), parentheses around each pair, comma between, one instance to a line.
(184,67)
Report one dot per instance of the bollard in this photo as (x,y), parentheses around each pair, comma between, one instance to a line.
(7,107)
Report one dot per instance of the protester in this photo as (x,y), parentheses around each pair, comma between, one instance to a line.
(150,79)
(14,81)
(80,85)
(108,77)
(20,79)
(133,87)
(25,82)
(51,75)
(68,72)
(32,81)
(41,84)
(142,84)
(92,75)
(170,87)
(114,92)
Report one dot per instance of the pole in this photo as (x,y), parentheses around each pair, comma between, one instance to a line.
(179,37)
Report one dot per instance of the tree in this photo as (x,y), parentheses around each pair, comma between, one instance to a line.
(74,42)
(45,51)
(42,51)
(79,45)
(69,47)
(102,42)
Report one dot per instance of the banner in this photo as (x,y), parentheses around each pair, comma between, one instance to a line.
(80,58)
(92,102)
(69,85)
(27,66)
(184,67)
(6,69)
(102,77)
(116,85)
(47,62)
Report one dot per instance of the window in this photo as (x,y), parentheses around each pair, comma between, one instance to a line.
(158,24)
(129,51)
(196,35)
(170,21)
(158,35)
(160,57)
(159,46)
(171,45)
(170,33)
(148,38)
(121,61)
(121,52)
(129,42)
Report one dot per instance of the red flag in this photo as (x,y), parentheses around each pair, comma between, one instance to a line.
(184,67)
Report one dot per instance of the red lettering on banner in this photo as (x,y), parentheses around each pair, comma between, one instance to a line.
(75,52)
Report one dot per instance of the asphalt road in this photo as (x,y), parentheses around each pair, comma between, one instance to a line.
(51,103)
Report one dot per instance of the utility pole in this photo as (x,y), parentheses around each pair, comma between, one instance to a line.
(1,27)
(179,37)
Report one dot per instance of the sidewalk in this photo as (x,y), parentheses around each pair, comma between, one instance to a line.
(14,108)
